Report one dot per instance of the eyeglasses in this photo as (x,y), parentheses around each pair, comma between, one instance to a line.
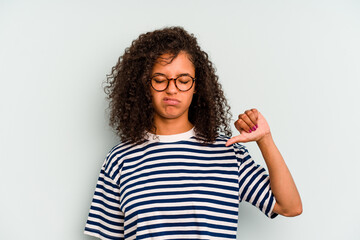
(160,82)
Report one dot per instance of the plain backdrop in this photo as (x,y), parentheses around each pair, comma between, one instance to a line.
(297,62)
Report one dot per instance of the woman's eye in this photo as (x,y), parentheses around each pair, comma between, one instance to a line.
(159,81)
(184,82)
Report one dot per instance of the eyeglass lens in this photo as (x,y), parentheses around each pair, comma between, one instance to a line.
(183,83)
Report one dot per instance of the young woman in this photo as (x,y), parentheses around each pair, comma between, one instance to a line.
(177,174)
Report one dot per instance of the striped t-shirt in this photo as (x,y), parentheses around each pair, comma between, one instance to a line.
(174,187)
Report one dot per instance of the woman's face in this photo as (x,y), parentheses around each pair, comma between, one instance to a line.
(172,103)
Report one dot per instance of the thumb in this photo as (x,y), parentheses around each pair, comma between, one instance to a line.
(239,138)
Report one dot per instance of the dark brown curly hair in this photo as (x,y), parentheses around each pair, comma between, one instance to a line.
(130,99)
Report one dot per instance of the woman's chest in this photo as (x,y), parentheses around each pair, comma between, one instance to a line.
(174,181)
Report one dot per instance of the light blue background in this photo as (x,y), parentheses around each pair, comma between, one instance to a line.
(297,62)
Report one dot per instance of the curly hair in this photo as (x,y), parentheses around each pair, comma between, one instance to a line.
(130,99)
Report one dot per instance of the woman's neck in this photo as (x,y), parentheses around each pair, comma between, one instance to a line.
(171,127)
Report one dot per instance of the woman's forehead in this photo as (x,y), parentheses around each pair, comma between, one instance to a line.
(168,58)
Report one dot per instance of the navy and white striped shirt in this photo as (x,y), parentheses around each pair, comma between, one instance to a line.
(174,187)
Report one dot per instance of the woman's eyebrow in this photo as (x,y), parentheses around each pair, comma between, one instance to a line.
(181,74)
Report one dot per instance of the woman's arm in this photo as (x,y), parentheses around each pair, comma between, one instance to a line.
(288,202)
(253,127)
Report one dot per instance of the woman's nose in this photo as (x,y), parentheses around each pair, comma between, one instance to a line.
(172,87)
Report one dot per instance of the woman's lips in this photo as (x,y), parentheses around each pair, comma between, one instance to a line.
(171,101)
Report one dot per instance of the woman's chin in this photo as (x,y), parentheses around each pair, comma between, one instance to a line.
(171,115)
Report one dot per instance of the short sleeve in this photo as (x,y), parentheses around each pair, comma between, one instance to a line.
(105,220)
(254,182)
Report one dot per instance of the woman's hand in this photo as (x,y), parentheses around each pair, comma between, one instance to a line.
(252,127)
(288,201)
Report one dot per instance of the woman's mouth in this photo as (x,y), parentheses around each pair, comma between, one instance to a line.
(171,101)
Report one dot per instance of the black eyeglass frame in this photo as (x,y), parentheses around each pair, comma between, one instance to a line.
(168,82)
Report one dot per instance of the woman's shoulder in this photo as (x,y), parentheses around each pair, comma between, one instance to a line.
(237,146)
(222,137)
(116,154)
